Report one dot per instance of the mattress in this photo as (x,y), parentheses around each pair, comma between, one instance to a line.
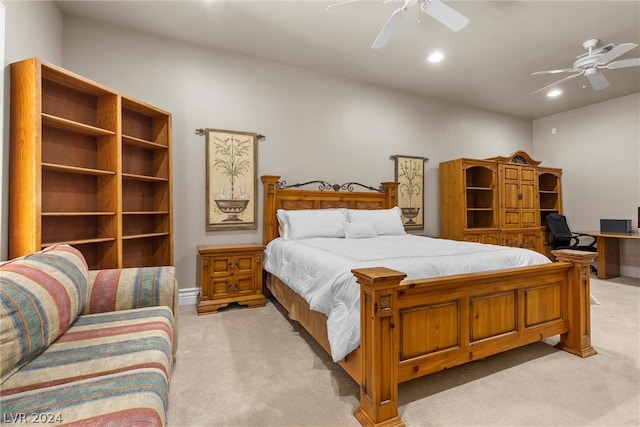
(319,270)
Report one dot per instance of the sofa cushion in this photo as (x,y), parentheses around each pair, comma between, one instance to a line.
(100,344)
(40,296)
(126,288)
(134,287)
(133,398)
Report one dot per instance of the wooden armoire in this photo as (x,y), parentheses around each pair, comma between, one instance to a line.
(89,167)
(500,200)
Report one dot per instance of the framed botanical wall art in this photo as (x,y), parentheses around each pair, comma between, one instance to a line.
(409,173)
(231,180)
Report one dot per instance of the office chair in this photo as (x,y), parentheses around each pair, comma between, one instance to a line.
(563,238)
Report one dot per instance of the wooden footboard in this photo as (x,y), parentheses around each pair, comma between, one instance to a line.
(411,328)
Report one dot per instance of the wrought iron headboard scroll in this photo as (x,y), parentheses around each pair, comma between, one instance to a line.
(324,185)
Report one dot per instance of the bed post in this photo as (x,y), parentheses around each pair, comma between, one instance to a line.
(391,190)
(578,339)
(269,225)
(379,346)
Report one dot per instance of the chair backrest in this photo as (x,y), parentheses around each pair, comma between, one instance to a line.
(559,228)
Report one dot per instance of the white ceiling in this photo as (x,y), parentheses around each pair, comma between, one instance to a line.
(488,64)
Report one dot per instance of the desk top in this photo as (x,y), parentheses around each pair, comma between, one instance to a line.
(634,234)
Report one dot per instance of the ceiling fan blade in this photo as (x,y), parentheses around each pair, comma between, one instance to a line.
(445,14)
(624,63)
(618,50)
(598,80)
(564,70)
(559,81)
(342,3)
(388,29)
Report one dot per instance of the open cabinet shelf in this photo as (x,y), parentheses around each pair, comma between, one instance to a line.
(94,171)
(549,191)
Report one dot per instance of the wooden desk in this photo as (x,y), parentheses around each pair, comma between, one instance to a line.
(609,251)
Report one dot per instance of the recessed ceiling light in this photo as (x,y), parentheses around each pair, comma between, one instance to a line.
(553,93)
(435,57)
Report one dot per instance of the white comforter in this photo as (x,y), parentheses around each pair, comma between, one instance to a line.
(319,270)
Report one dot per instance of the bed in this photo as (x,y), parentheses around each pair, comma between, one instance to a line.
(413,326)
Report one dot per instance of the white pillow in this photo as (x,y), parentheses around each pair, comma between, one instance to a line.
(387,222)
(359,230)
(308,223)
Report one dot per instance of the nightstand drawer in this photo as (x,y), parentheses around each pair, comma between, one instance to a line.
(231,286)
(232,265)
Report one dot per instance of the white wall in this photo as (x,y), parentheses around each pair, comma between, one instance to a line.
(598,148)
(30,29)
(33,28)
(317,126)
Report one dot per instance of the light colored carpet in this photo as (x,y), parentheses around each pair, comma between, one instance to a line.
(254,367)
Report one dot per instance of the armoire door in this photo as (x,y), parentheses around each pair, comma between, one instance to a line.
(518,196)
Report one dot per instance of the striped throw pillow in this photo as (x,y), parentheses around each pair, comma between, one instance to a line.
(40,296)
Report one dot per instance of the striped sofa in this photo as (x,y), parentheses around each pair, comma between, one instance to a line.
(85,348)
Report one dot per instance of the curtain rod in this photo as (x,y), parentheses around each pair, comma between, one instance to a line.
(201,132)
(395,156)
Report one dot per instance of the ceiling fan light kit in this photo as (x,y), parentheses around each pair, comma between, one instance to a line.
(589,64)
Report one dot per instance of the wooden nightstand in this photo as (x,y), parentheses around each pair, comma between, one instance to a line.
(230,273)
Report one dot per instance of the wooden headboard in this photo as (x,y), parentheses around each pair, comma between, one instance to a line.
(279,196)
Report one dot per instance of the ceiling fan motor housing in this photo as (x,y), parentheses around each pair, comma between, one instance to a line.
(587,62)
(591,58)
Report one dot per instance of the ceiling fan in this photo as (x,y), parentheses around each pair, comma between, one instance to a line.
(449,17)
(590,63)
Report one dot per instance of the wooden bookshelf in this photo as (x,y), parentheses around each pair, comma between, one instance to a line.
(89,167)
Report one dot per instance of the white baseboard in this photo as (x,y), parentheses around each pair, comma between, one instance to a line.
(188,296)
